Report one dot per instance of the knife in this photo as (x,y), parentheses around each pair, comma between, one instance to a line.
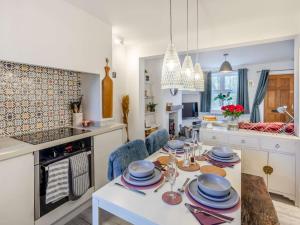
(189,206)
(133,190)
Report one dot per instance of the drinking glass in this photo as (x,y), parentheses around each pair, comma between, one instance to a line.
(186,160)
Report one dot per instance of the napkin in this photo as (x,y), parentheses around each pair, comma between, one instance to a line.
(205,219)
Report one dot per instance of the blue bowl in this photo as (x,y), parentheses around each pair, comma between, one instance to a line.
(214,185)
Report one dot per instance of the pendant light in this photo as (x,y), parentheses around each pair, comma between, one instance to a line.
(171,69)
(187,71)
(198,73)
(226,66)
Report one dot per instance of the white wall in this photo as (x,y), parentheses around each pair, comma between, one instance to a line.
(153,66)
(53,33)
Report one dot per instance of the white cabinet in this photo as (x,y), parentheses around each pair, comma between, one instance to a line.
(104,144)
(253,162)
(259,150)
(282,179)
(213,138)
(17,191)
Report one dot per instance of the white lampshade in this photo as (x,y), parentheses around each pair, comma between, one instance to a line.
(199,78)
(171,77)
(187,74)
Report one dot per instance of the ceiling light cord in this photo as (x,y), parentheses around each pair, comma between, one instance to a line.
(197,24)
(187,27)
(171,30)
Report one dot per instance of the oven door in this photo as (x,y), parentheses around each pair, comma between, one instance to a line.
(41,180)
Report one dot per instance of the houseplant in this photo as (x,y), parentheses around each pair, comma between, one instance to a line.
(151,106)
(233,112)
(223,98)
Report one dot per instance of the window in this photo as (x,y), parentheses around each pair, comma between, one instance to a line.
(223,83)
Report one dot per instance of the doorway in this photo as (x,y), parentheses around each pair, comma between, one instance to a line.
(280,92)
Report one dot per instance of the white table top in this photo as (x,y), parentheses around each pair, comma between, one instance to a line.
(150,209)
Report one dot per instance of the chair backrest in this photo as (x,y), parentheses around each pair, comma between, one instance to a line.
(156,140)
(124,155)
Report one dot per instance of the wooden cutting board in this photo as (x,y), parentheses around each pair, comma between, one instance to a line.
(107,94)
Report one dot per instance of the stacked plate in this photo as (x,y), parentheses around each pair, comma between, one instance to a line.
(213,191)
(142,173)
(223,154)
(175,145)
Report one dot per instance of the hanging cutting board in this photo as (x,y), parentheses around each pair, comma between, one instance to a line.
(107,94)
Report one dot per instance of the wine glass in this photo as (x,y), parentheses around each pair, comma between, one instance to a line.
(171,176)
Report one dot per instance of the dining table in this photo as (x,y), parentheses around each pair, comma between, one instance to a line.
(150,209)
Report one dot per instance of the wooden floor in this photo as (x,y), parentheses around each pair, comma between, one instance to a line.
(286,212)
(85,218)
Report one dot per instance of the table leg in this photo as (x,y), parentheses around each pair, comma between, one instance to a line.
(96,220)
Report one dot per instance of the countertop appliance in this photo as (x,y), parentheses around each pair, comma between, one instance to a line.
(45,157)
(40,137)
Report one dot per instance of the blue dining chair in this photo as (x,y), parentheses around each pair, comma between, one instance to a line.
(124,155)
(156,140)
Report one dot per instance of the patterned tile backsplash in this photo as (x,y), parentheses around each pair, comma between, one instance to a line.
(35,98)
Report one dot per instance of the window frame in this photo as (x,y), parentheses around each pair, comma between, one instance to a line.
(222,89)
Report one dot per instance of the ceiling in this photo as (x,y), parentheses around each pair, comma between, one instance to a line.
(256,54)
(147,20)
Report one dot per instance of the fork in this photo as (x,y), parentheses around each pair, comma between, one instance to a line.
(181,190)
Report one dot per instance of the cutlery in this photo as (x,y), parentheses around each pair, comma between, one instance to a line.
(215,215)
(133,190)
(161,185)
(181,190)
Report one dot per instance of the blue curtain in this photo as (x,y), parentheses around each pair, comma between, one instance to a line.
(242,93)
(259,96)
(206,95)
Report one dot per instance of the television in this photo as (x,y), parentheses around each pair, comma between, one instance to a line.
(190,109)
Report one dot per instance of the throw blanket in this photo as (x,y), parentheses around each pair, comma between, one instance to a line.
(275,127)
(58,181)
(80,180)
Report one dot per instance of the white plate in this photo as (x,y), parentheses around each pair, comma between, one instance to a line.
(235,158)
(155,179)
(142,178)
(213,198)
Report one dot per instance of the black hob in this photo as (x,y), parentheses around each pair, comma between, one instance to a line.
(40,137)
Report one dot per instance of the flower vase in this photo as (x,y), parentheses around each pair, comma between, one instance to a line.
(77,119)
(233,123)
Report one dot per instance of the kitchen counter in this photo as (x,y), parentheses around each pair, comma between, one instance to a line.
(10,147)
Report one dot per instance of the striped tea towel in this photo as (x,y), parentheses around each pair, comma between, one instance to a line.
(80,180)
(58,181)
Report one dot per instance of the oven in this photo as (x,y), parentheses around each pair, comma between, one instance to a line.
(45,157)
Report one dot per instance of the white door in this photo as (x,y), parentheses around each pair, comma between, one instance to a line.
(17,191)
(104,144)
(282,180)
(253,162)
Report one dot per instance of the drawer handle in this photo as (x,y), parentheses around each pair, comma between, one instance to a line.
(277,146)
(213,137)
(243,141)
(268,170)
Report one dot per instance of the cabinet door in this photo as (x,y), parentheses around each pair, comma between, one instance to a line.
(282,180)
(104,144)
(253,162)
(17,191)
